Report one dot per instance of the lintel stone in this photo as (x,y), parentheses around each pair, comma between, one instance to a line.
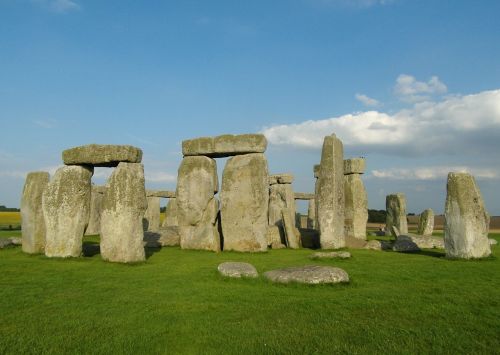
(104,155)
(303,196)
(354,166)
(160,193)
(225,145)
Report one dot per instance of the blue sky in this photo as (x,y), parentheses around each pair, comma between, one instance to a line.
(413,86)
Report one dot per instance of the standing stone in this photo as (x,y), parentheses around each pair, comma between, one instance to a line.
(292,238)
(311,214)
(66,210)
(331,194)
(151,221)
(123,209)
(245,203)
(396,214)
(197,207)
(32,222)
(281,196)
(426,222)
(466,220)
(356,207)
(171,214)
(316,192)
(94,226)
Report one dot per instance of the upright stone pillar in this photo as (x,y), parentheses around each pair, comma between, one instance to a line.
(395,206)
(32,222)
(356,199)
(66,209)
(197,207)
(123,209)
(426,222)
(316,193)
(170,214)
(311,214)
(94,226)
(466,220)
(151,220)
(331,194)
(245,203)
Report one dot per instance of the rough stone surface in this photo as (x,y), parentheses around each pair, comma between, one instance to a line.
(354,243)
(354,166)
(123,209)
(101,155)
(356,207)
(310,274)
(405,244)
(311,214)
(280,179)
(466,220)
(330,194)
(426,222)
(237,270)
(426,241)
(32,222)
(165,237)
(331,255)
(275,237)
(225,145)
(493,241)
(5,242)
(197,208)
(292,237)
(373,245)
(395,206)
(16,240)
(280,197)
(160,193)
(316,169)
(66,210)
(97,195)
(245,203)
(303,196)
(171,214)
(151,220)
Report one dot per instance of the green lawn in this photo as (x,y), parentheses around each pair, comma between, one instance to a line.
(176,302)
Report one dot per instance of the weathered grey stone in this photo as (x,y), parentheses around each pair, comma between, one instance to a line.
(280,197)
(66,210)
(331,194)
(151,220)
(292,237)
(426,241)
(102,155)
(197,207)
(466,220)
(123,209)
(32,222)
(311,214)
(237,270)
(354,243)
(316,169)
(310,274)
(280,179)
(331,255)
(395,205)
(245,203)
(164,237)
(97,195)
(5,242)
(303,196)
(354,166)
(160,193)
(171,214)
(373,245)
(493,241)
(405,244)
(18,241)
(356,207)
(275,237)
(225,145)
(426,222)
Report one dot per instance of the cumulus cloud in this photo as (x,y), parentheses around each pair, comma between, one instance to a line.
(456,125)
(433,173)
(408,89)
(366,100)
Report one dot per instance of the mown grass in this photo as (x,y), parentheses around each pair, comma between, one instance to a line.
(176,302)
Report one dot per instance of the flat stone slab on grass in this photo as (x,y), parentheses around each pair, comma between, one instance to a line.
(405,244)
(237,269)
(493,241)
(378,245)
(105,155)
(311,274)
(331,255)
(225,146)
(5,243)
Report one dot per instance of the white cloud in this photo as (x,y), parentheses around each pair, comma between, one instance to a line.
(456,125)
(366,100)
(433,173)
(408,89)
(59,6)
(158,176)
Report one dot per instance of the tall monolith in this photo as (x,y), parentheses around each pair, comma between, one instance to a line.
(395,205)
(94,226)
(426,222)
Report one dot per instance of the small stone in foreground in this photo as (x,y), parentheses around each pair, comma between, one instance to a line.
(405,244)
(5,243)
(493,241)
(378,245)
(331,255)
(237,269)
(311,274)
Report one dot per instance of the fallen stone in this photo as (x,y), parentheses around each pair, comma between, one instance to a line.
(311,274)
(66,210)
(405,244)
(493,241)
(354,166)
(102,155)
(426,222)
(356,207)
(331,255)
(466,220)
(97,195)
(32,221)
(237,270)
(225,145)
(396,213)
(123,209)
(160,193)
(373,245)
(354,243)
(5,242)
(426,241)
(303,196)
(330,195)
(16,240)
(245,203)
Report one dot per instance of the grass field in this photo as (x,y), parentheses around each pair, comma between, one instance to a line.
(176,302)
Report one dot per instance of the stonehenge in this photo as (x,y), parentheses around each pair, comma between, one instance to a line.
(426,222)
(395,205)
(356,199)
(96,197)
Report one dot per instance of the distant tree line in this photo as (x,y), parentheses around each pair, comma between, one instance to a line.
(376,216)
(8,209)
